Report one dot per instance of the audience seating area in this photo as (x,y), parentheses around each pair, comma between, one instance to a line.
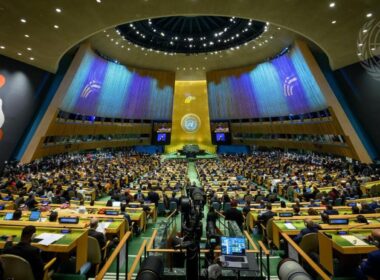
(317,208)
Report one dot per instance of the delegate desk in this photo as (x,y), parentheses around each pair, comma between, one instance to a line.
(366,187)
(76,239)
(293,225)
(254,213)
(132,205)
(137,214)
(350,244)
(116,226)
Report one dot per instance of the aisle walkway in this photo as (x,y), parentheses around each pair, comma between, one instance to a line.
(193,174)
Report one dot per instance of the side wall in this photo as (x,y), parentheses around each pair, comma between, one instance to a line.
(22,91)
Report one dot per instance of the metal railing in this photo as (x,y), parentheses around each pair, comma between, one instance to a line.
(137,261)
(265,251)
(120,254)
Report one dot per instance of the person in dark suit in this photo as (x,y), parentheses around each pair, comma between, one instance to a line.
(370,268)
(234,214)
(154,197)
(173,198)
(310,227)
(31,202)
(330,210)
(139,196)
(267,215)
(25,250)
(96,234)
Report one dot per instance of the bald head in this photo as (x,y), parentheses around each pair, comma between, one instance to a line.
(309,223)
(94,223)
(376,234)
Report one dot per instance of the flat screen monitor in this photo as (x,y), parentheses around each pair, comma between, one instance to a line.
(233,245)
(68,220)
(34,216)
(134,205)
(285,214)
(161,137)
(220,137)
(8,216)
(352,204)
(2,207)
(338,221)
(111,212)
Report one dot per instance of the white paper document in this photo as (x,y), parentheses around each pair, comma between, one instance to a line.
(290,226)
(102,226)
(49,238)
(354,240)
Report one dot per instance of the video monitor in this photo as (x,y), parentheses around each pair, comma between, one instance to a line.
(351,204)
(338,221)
(111,212)
(285,214)
(233,245)
(68,220)
(161,137)
(220,137)
(2,207)
(8,216)
(34,216)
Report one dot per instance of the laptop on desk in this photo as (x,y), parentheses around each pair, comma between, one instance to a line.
(233,252)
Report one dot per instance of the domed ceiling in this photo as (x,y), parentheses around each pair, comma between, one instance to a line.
(191,34)
(40,32)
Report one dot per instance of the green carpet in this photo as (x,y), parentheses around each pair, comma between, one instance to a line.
(192,174)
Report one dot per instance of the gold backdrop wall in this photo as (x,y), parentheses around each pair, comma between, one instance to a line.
(190,109)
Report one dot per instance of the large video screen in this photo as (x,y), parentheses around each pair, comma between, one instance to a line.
(104,88)
(279,87)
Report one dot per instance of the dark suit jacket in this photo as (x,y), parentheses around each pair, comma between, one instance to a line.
(235,215)
(29,253)
(371,267)
(99,236)
(331,212)
(265,217)
(305,231)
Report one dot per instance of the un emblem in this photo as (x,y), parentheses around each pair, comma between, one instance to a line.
(190,123)
(369,48)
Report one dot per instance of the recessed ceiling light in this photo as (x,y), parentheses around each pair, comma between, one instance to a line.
(2,47)
(58,10)
(56,26)
(23,20)
(19,53)
(99,1)
(332,5)
(365,31)
(359,53)
(373,49)
(360,45)
(26,35)
(369,15)
(333,22)
(31,58)
(29,49)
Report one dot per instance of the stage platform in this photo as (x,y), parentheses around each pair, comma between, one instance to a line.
(178,156)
